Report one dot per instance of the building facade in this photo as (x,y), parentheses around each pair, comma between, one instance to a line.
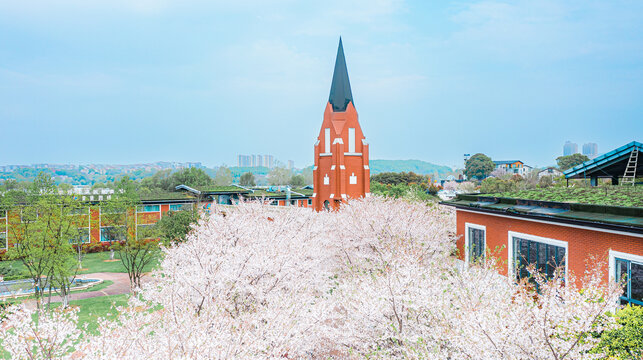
(550,171)
(570,237)
(341,168)
(590,150)
(570,148)
(99,224)
(513,167)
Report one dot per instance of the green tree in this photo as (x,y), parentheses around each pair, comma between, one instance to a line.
(394,178)
(162,180)
(279,176)
(297,181)
(496,185)
(247,179)
(307,173)
(223,177)
(569,161)
(192,177)
(42,233)
(135,250)
(626,341)
(479,166)
(175,225)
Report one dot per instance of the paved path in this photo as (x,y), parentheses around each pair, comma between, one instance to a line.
(120,286)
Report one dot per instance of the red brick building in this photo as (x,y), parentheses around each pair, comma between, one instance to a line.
(341,167)
(97,225)
(553,234)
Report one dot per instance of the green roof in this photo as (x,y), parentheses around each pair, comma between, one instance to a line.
(164,195)
(627,217)
(223,189)
(629,196)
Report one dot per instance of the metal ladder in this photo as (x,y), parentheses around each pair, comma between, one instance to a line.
(629,177)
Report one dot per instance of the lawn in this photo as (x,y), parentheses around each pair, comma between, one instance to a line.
(92,263)
(631,196)
(93,308)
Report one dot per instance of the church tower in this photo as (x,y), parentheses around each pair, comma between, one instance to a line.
(341,153)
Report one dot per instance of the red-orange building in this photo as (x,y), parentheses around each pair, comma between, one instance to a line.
(341,167)
(552,235)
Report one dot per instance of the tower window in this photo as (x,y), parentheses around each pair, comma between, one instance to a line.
(351,140)
(327,140)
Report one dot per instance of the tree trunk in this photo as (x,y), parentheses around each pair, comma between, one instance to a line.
(111,254)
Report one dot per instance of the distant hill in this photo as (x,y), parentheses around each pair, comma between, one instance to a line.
(417,166)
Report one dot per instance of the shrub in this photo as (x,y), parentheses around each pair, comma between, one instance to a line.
(625,342)
(495,185)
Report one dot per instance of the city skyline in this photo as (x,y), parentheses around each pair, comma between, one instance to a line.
(427,74)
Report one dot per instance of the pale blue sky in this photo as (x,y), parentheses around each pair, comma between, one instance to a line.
(129,81)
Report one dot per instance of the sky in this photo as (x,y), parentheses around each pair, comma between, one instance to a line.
(137,81)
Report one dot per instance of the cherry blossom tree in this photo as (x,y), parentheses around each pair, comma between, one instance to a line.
(375,279)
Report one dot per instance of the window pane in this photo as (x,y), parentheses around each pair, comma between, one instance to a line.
(476,244)
(542,259)
(545,257)
(176,207)
(3,240)
(636,281)
(533,252)
(112,233)
(621,274)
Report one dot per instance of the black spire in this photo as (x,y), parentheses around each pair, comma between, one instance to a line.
(340,88)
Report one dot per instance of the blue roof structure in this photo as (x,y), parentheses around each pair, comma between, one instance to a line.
(611,164)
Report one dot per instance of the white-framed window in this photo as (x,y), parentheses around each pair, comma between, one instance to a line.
(327,140)
(545,253)
(475,242)
(3,213)
(3,240)
(83,210)
(113,233)
(179,207)
(310,202)
(82,236)
(351,140)
(148,208)
(629,269)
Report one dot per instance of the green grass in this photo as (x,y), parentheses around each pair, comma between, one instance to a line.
(631,196)
(93,263)
(93,308)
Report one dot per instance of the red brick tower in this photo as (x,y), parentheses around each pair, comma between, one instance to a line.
(341,153)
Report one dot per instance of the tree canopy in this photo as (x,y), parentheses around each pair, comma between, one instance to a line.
(479,166)
(223,177)
(247,179)
(395,178)
(569,161)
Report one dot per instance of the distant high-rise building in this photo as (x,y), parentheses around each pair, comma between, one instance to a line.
(590,150)
(255,160)
(570,148)
(268,161)
(244,161)
(291,164)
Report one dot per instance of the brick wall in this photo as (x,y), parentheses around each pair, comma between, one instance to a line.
(581,243)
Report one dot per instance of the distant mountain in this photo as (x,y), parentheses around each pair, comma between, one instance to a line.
(416,166)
